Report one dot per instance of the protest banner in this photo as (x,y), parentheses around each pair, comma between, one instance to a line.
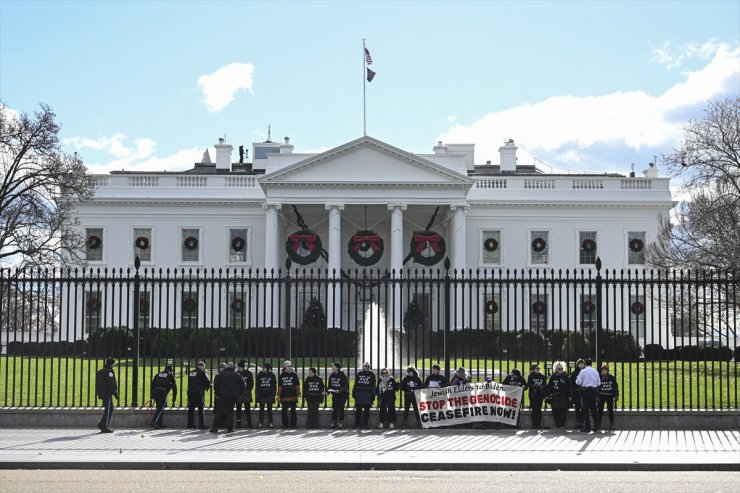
(486,401)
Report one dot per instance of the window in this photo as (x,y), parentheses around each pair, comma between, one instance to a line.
(491,246)
(143,244)
(637,310)
(538,312)
(94,244)
(190,245)
(238,245)
(492,309)
(588,312)
(636,247)
(539,247)
(144,309)
(189,309)
(93,309)
(237,309)
(587,247)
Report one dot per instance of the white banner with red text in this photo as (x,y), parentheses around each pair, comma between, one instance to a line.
(486,401)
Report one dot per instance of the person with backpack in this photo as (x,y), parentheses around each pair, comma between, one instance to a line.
(313,390)
(387,388)
(410,383)
(198,384)
(338,387)
(289,391)
(106,389)
(266,388)
(244,399)
(162,383)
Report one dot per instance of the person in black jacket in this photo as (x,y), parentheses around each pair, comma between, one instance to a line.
(410,383)
(575,391)
(436,379)
(536,383)
(266,387)
(558,394)
(364,395)
(229,386)
(338,387)
(106,389)
(313,390)
(289,391)
(198,384)
(387,388)
(246,397)
(516,379)
(162,383)
(607,393)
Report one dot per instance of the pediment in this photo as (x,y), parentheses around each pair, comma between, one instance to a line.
(364,162)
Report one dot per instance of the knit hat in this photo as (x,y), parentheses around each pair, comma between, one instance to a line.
(337,364)
(242,363)
(516,372)
(267,366)
(461,370)
(534,366)
(604,367)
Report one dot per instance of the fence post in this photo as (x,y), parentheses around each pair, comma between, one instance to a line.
(137,335)
(288,264)
(598,311)
(447,318)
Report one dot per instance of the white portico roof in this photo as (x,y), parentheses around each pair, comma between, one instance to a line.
(366,171)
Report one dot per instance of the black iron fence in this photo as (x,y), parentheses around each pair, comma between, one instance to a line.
(670,337)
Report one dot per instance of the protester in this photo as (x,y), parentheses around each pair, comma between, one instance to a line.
(106,389)
(265,393)
(409,384)
(460,378)
(162,383)
(313,390)
(228,387)
(516,379)
(588,380)
(289,390)
(387,388)
(364,394)
(245,398)
(436,379)
(608,392)
(198,384)
(558,393)
(338,387)
(536,383)
(576,392)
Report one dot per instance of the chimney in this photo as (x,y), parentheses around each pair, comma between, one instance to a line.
(223,155)
(508,157)
(287,147)
(440,148)
(651,172)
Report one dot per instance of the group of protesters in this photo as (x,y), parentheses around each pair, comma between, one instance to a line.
(585,389)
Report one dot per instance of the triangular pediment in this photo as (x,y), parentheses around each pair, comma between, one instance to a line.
(366,161)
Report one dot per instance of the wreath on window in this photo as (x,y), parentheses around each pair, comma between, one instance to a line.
(238,243)
(539,307)
(365,247)
(237,305)
(191,242)
(189,305)
(636,245)
(143,305)
(491,306)
(93,242)
(588,307)
(303,247)
(93,305)
(588,245)
(637,308)
(539,244)
(422,243)
(491,244)
(142,242)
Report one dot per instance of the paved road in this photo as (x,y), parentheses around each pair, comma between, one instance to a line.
(74,481)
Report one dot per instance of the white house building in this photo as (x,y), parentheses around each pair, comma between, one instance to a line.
(227,215)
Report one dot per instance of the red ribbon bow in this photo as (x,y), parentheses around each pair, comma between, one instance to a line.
(421,241)
(299,239)
(373,240)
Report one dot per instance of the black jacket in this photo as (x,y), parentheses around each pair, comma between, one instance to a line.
(338,383)
(609,386)
(229,384)
(162,383)
(364,389)
(517,381)
(558,390)
(574,389)
(248,383)
(198,382)
(410,384)
(289,387)
(387,391)
(313,388)
(537,382)
(266,385)
(433,381)
(105,383)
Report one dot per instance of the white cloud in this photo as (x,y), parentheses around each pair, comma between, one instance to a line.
(673,57)
(220,87)
(575,130)
(452,118)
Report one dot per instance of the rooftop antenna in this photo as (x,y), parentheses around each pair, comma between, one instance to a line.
(268,133)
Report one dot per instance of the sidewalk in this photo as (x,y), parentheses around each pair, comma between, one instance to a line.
(261,449)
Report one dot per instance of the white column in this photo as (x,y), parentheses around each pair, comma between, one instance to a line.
(459,264)
(333,298)
(397,259)
(272,251)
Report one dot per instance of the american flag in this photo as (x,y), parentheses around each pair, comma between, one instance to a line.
(368,58)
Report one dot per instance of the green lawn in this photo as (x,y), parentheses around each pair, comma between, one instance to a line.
(69,382)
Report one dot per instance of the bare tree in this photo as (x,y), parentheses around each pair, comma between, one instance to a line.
(40,186)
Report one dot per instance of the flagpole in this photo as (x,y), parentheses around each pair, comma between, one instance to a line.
(364,82)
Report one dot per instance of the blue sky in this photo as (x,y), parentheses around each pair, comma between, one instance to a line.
(579,85)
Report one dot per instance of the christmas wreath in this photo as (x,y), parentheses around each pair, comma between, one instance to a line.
(491,306)
(93,305)
(491,244)
(637,308)
(365,247)
(431,240)
(189,305)
(636,245)
(588,307)
(143,305)
(539,307)
(191,242)
(588,245)
(303,247)
(237,305)
(238,243)
(93,242)
(539,244)
(142,242)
